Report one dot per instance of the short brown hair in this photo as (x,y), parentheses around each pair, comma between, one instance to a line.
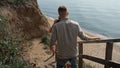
(62,9)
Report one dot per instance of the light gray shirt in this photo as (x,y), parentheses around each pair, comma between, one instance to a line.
(65,33)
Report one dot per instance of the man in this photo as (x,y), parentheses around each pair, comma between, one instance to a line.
(65,33)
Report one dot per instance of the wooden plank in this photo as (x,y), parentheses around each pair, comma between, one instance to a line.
(102,61)
(80,55)
(108,54)
(95,59)
(114,64)
(100,41)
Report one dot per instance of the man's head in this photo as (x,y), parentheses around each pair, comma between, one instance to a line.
(62,11)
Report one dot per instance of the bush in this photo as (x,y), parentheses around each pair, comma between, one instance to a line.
(3,23)
(87,65)
(9,49)
(45,39)
(14,64)
(16,1)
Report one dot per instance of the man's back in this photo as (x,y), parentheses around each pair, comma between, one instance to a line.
(66,32)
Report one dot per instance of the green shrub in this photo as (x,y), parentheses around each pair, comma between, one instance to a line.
(16,1)
(87,65)
(9,49)
(14,64)
(12,1)
(3,23)
(45,39)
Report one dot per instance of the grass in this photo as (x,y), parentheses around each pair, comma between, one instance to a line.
(3,23)
(45,39)
(87,65)
(9,48)
(16,1)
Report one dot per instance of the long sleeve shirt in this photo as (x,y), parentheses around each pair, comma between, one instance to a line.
(65,33)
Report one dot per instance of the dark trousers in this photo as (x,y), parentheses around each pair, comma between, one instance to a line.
(61,62)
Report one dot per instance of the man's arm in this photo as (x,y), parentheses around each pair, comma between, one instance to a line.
(53,38)
(82,35)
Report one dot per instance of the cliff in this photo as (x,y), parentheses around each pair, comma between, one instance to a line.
(25,20)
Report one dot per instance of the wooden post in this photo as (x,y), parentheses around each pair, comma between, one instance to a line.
(80,55)
(108,54)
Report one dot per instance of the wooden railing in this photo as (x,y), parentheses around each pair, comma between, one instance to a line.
(107,62)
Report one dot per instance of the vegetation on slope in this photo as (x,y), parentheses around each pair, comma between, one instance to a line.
(9,48)
(18,19)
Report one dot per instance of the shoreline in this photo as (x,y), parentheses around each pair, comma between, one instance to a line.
(88,33)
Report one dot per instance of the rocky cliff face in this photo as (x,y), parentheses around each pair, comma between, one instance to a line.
(25,20)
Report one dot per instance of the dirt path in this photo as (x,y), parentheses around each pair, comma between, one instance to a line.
(37,55)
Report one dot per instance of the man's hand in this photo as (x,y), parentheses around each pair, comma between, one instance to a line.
(52,48)
(94,38)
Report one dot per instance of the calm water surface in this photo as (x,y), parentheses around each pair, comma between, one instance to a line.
(97,16)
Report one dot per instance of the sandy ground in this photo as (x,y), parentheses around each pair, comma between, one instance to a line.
(36,54)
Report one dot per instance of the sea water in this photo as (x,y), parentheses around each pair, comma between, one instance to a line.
(101,17)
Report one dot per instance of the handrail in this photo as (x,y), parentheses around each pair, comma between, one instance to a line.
(100,41)
(108,55)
